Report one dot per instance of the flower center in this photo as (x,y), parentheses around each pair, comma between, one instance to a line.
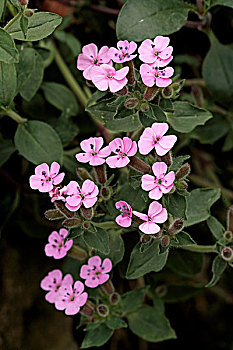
(97,273)
(95,61)
(149,218)
(94,153)
(156,140)
(72,298)
(156,53)
(109,76)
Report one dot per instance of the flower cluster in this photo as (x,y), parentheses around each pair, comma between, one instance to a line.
(98,66)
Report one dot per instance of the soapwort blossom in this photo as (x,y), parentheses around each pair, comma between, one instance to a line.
(57,246)
(71,298)
(106,76)
(93,155)
(95,273)
(156,52)
(125,218)
(156,214)
(45,178)
(76,195)
(151,75)
(53,282)
(124,51)
(123,148)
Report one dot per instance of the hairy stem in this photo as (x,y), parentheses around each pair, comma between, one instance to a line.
(13,115)
(13,20)
(200,248)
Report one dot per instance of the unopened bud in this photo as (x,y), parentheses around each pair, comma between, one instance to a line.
(176,226)
(161,290)
(178,86)
(145,239)
(106,193)
(228,235)
(230,219)
(227,253)
(100,174)
(122,92)
(131,75)
(131,102)
(73,222)
(87,213)
(165,241)
(139,165)
(29,12)
(167,92)
(77,253)
(114,298)
(62,208)
(108,287)
(183,171)
(86,225)
(103,310)
(83,174)
(144,107)
(182,185)
(53,214)
(23,2)
(88,309)
(157,235)
(150,93)
(167,158)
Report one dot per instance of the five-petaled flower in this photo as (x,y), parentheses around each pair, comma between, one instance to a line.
(93,152)
(125,218)
(53,282)
(154,138)
(151,75)
(45,178)
(123,148)
(106,76)
(95,273)
(156,214)
(57,246)
(124,51)
(76,195)
(90,58)
(71,298)
(160,183)
(156,52)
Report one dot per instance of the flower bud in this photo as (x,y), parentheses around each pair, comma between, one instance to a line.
(62,208)
(150,93)
(139,165)
(29,12)
(178,86)
(108,287)
(144,107)
(167,92)
(165,241)
(73,222)
(86,225)
(100,174)
(131,75)
(183,171)
(83,174)
(176,226)
(230,219)
(114,298)
(106,193)
(182,185)
(53,214)
(145,239)
(228,235)
(87,213)
(157,235)
(77,253)
(161,290)
(227,253)
(122,92)
(88,309)
(23,2)
(167,158)
(103,310)
(131,102)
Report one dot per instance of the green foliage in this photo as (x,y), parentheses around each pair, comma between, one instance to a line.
(150,18)
(97,239)
(2,8)
(69,40)
(177,293)
(114,322)
(182,239)
(8,51)
(96,337)
(218,268)
(215,227)
(185,263)
(6,150)
(116,247)
(132,300)
(176,205)
(8,83)
(213,3)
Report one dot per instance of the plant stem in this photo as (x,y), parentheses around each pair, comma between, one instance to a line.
(200,248)
(13,20)
(195,81)
(106,224)
(13,115)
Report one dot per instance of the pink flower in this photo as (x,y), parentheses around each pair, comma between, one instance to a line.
(71,298)
(90,58)
(124,148)
(154,138)
(160,183)
(57,247)
(151,75)
(106,76)
(156,214)
(86,195)
(125,218)
(95,272)
(57,194)
(124,51)
(45,178)
(93,154)
(156,51)
(53,283)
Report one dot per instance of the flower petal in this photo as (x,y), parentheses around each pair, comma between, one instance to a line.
(106,265)
(90,50)
(161,42)
(156,193)
(159,168)
(159,129)
(149,227)
(123,221)
(148,182)
(94,261)
(154,208)
(160,217)
(140,215)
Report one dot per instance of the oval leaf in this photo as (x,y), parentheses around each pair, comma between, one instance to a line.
(8,51)
(8,83)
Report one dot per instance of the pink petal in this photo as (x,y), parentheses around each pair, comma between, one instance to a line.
(42,168)
(49,250)
(95,160)
(99,141)
(116,85)
(156,193)
(90,50)
(168,71)
(57,274)
(167,142)
(117,145)
(68,279)
(145,146)
(68,244)
(148,182)
(163,63)
(58,179)
(94,261)
(84,61)
(35,182)
(89,202)
(74,201)
(122,162)
(100,82)
(107,265)
(54,169)
(61,304)
(88,72)
(166,189)
(103,55)
(160,217)
(163,82)
(51,297)
(166,53)
(71,207)
(85,270)
(159,168)
(146,51)
(149,227)
(154,208)
(59,254)
(160,150)
(104,152)
(147,74)
(92,282)
(108,69)
(72,188)
(79,287)
(161,42)
(72,308)
(121,73)
(46,187)
(132,47)
(123,221)
(83,157)
(103,278)
(82,299)
(140,215)
(88,145)
(160,129)
(121,44)
(54,237)
(112,161)
(169,179)
(88,187)
(112,53)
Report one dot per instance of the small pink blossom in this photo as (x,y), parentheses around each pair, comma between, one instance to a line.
(160,183)
(53,282)
(95,273)
(156,214)
(106,76)
(156,52)
(71,298)
(151,75)
(125,218)
(154,138)
(90,58)
(57,194)
(57,247)
(86,195)
(124,148)
(45,178)
(93,153)
(124,51)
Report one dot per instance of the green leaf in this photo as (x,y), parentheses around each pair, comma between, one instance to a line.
(137,198)
(149,18)
(215,227)
(40,25)
(199,203)
(30,71)
(24,25)
(116,247)
(96,337)
(144,262)
(114,322)
(98,240)
(181,239)
(154,114)
(2,8)
(177,293)
(69,40)
(185,263)
(218,63)
(177,162)
(53,93)
(212,131)
(6,150)
(65,129)
(186,117)
(176,205)
(150,325)
(132,300)
(228,3)
(38,142)
(228,144)
(218,268)
(8,51)
(8,83)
